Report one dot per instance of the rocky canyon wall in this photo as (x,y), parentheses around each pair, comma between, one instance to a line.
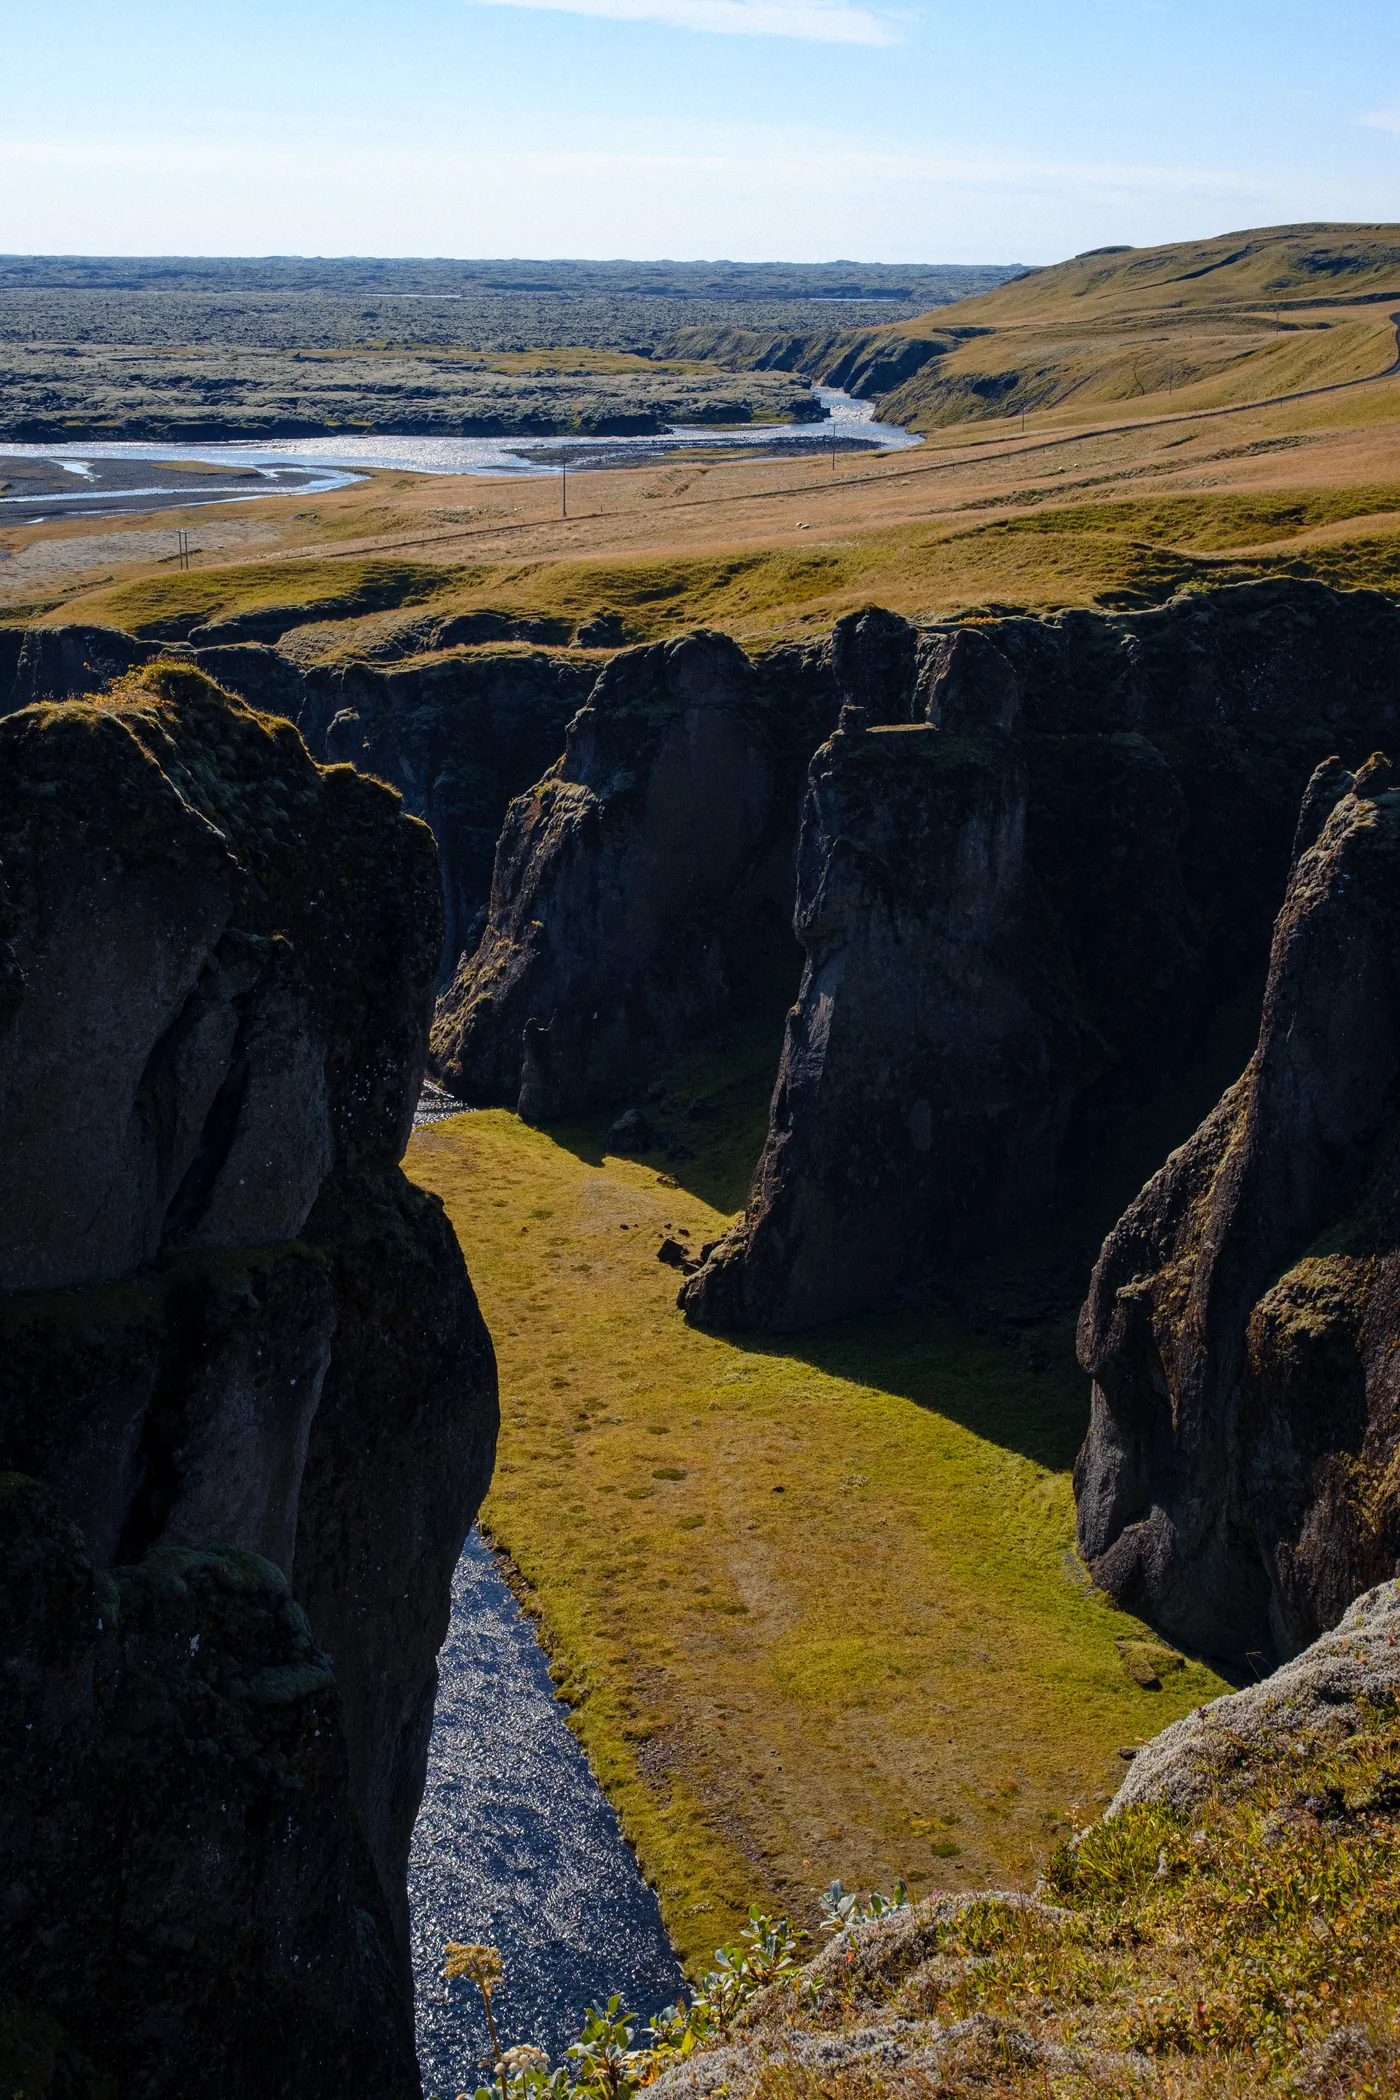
(642,891)
(247,1403)
(1019,918)
(458,727)
(1238,1481)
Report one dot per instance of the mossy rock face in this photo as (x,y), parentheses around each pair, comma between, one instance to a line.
(1238,1485)
(237,1346)
(641,889)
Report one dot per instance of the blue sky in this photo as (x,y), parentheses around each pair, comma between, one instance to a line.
(918,130)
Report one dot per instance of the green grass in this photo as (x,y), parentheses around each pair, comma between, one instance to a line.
(1211,523)
(1134,552)
(1248,1948)
(166,607)
(812,1599)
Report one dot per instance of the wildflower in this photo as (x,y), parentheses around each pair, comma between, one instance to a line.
(480,1965)
(524,2059)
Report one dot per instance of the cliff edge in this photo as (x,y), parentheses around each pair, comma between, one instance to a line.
(1237,1484)
(247,1403)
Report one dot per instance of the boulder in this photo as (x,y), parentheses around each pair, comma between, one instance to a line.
(1236,1485)
(641,891)
(247,1400)
(1321,1695)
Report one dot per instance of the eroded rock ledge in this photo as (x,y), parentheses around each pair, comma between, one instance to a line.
(247,1403)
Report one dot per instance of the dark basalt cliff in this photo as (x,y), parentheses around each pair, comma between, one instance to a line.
(642,890)
(1019,918)
(926,1078)
(459,729)
(460,736)
(1238,1484)
(247,1404)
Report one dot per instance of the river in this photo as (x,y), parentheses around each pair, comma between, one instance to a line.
(311,466)
(516,1845)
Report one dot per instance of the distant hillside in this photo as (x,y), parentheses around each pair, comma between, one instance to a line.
(1274,269)
(1199,324)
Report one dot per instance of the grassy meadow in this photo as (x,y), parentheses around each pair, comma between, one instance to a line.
(1040,553)
(812,1599)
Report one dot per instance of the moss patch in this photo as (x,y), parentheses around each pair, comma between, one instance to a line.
(812,1600)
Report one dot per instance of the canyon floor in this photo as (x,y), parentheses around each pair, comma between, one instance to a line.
(813,1599)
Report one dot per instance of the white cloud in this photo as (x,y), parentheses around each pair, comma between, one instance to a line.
(813,21)
(1382,120)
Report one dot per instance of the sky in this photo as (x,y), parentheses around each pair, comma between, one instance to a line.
(801,130)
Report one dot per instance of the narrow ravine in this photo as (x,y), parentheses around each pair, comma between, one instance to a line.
(516,1845)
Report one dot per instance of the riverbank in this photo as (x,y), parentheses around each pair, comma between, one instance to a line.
(516,1846)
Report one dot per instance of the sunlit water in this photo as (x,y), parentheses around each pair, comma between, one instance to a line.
(517,1846)
(849,422)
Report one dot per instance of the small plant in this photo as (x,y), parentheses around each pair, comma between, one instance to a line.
(840,1909)
(484,1967)
(607,2063)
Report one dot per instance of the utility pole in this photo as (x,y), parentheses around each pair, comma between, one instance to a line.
(182,543)
(564,484)
(833,447)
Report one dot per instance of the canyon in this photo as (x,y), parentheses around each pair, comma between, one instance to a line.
(858,1000)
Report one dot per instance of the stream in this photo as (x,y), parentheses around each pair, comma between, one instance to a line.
(516,1845)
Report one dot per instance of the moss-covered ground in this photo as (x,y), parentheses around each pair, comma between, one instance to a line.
(813,1599)
(1248,1947)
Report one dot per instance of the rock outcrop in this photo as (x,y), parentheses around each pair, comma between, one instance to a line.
(641,891)
(459,729)
(1238,1481)
(1187,1889)
(1020,915)
(924,1086)
(247,1403)
(460,735)
(1323,1693)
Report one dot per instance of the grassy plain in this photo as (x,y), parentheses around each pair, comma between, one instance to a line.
(812,1599)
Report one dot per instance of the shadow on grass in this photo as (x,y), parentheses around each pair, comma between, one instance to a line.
(1034,1404)
(994,1350)
(709,1108)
